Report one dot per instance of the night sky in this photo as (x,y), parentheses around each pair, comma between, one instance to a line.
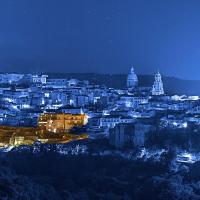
(103,36)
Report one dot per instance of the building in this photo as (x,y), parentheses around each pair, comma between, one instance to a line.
(72,110)
(141,134)
(109,121)
(61,122)
(131,101)
(132,79)
(39,78)
(157,88)
(121,135)
(73,82)
(16,136)
(56,83)
(129,134)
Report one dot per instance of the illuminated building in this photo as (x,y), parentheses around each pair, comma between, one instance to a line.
(56,83)
(16,136)
(158,85)
(72,82)
(39,79)
(61,122)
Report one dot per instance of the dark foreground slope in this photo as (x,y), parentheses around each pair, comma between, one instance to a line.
(49,175)
(172,85)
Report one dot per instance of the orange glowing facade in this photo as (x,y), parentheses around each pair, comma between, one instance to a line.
(52,128)
(16,136)
(58,123)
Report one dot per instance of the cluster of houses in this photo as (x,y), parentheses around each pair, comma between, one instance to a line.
(127,116)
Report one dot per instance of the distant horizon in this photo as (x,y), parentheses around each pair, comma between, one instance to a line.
(138,74)
(99,73)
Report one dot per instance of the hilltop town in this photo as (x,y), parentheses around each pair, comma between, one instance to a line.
(40,108)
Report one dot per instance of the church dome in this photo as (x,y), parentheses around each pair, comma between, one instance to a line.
(132,78)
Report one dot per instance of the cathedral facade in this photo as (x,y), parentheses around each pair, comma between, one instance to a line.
(157,88)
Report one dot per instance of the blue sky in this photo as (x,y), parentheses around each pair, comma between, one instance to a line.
(104,36)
